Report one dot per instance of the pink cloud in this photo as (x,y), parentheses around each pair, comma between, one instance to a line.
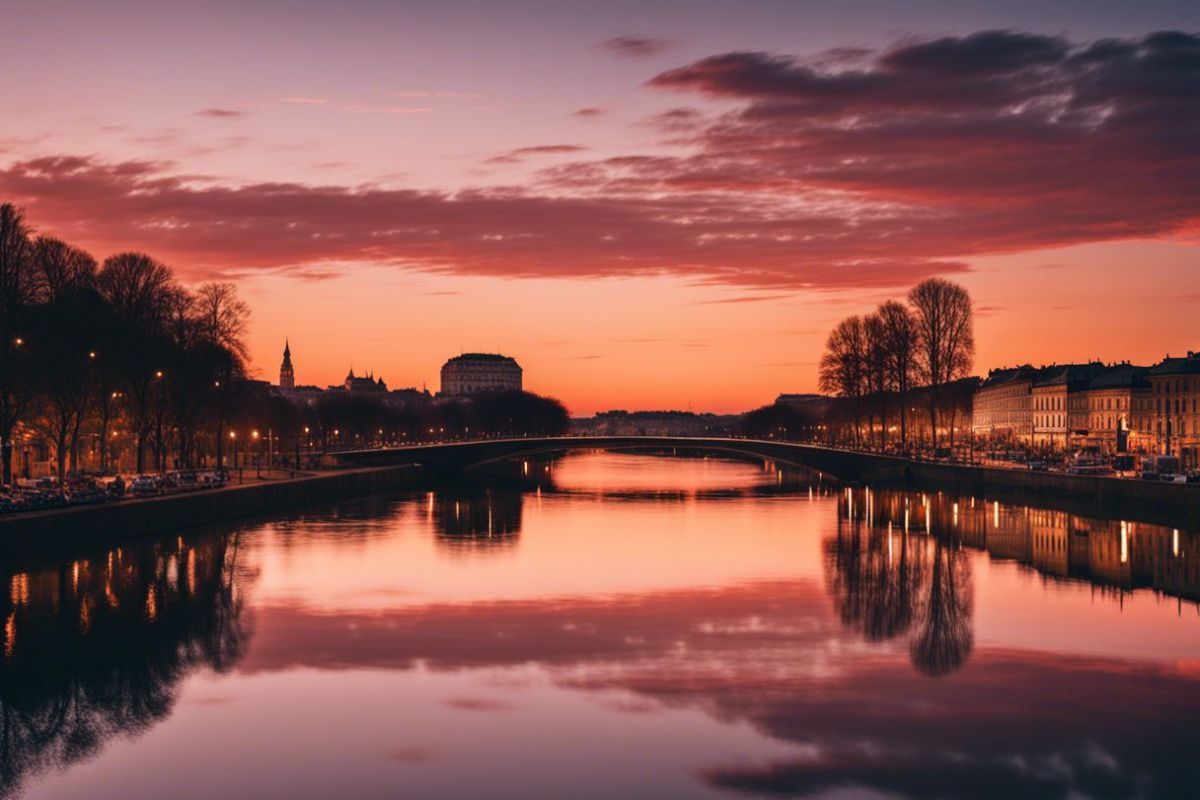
(875,172)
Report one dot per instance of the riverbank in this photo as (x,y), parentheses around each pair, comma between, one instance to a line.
(1161,502)
(69,527)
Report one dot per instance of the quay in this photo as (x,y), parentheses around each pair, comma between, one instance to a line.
(379,471)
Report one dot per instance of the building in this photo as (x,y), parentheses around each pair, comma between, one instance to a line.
(480,373)
(368,384)
(1175,404)
(1066,406)
(310,396)
(1058,405)
(1002,406)
(1116,402)
(287,376)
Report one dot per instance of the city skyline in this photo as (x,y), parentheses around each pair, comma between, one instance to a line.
(365,199)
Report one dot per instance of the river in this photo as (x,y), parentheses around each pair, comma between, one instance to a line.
(627,626)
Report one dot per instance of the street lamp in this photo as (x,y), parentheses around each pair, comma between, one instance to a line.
(257,455)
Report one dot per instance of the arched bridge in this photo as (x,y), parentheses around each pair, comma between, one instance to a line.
(464,456)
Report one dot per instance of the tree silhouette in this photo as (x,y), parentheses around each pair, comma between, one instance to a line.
(945,337)
(945,639)
(95,647)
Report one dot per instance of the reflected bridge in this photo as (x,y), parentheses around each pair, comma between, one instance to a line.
(456,457)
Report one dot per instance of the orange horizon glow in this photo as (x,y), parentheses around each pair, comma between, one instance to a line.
(669,218)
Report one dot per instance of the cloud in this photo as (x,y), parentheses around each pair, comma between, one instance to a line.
(521,153)
(590,112)
(477,704)
(222,113)
(749,298)
(410,755)
(637,46)
(304,101)
(875,172)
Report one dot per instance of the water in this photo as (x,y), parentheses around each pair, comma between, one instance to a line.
(645,627)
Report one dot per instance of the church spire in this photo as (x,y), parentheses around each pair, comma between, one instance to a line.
(287,375)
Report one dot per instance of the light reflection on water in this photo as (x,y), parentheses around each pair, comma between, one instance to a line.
(639,627)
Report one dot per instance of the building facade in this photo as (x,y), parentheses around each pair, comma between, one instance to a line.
(1069,406)
(1175,405)
(1002,407)
(1060,415)
(1114,403)
(480,373)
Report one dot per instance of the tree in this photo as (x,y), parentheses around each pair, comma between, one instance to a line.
(63,356)
(945,639)
(875,369)
(222,316)
(842,368)
(59,268)
(16,294)
(143,293)
(900,344)
(945,337)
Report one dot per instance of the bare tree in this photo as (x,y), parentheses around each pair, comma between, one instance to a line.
(138,287)
(143,292)
(16,292)
(842,368)
(62,361)
(945,337)
(60,268)
(223,317)
(876,371)
(900,337)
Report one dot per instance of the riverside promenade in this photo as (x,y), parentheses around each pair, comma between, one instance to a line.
(69,527)
(380,471)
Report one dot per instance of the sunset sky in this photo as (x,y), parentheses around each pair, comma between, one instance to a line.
(648,204)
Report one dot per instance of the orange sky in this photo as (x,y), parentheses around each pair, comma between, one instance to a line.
(649,205)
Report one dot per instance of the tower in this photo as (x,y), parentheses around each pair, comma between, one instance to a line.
(287,376)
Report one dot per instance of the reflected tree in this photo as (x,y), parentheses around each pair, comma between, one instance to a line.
(945,639)
(887,584)
(875,577)
(96,648)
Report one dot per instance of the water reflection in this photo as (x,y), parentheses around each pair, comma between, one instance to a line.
(1115,556)
(647,632)
(476,517)
(95,647)
(887,584)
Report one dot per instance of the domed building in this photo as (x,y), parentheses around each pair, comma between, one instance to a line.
(480,373)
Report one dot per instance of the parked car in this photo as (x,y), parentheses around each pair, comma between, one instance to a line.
(145,486)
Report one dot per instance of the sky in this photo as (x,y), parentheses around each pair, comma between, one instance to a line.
(648,204)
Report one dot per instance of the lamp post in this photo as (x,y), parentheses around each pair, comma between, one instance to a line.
(257,454)
(233,442)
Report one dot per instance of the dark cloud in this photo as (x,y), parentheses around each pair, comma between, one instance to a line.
(589,112)
(637,46)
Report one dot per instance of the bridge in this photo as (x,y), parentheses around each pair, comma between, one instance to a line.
(452,457)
